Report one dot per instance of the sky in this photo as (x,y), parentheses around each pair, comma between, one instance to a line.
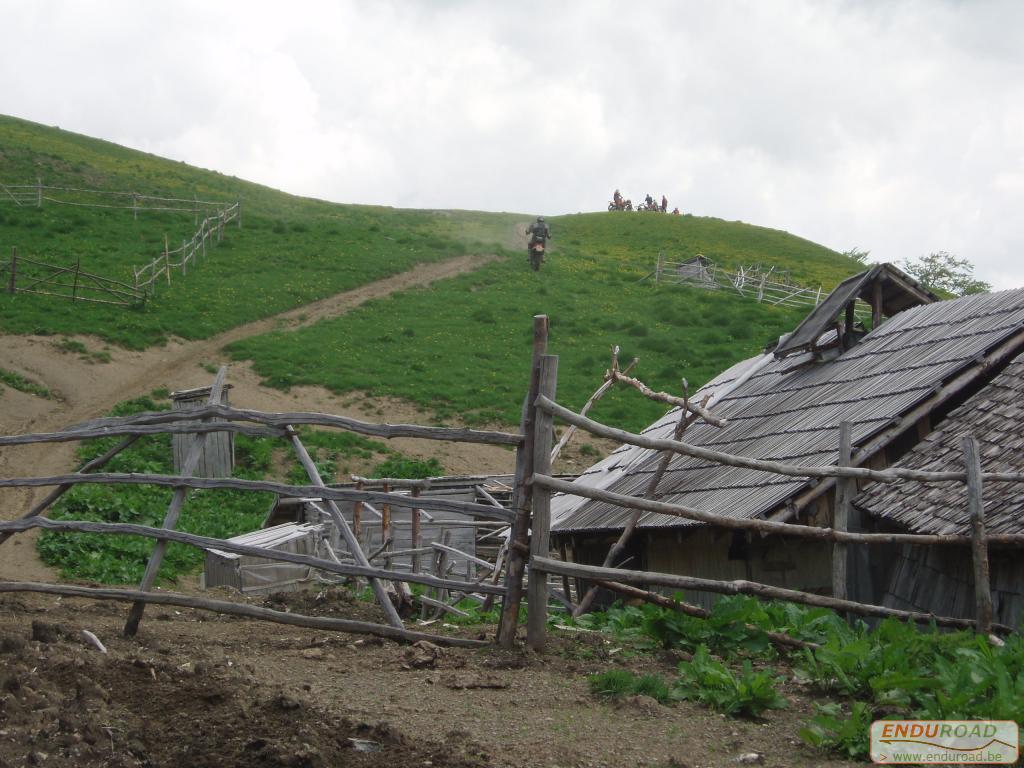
(893,127)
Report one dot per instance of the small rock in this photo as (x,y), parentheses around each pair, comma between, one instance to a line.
(750,758)
(313,653)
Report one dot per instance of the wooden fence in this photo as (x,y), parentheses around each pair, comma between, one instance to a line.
(38,194)
(24,275)
(543,485)
(766,286)
(528,543)
(199,424)
(188,254)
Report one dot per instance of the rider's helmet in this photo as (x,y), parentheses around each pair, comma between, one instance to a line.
(540,219)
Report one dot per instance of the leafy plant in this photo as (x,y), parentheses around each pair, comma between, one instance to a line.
(847,734)
(712,683)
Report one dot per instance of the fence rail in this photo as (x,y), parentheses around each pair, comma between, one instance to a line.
(25,275)
(188,254)
(845,473)
(37,194)
(766,286)
(353,562)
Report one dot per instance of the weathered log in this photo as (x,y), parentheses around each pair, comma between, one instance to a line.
(979,546)
(767,526)
(846,489)
(652,487)
(393,482)
(239,609)
(207,543)
(890,475)
(65,436)
(281,489)
(522,496)
(308,418)
(780,640)
(342,525)
(741,587)
(60,490)
(665,397)
(540,535)
(609,382)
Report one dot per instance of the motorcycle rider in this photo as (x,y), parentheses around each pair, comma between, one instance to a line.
(539,231)
(617,199)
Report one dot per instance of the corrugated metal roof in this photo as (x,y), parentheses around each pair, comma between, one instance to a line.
(994,416)
(788,411)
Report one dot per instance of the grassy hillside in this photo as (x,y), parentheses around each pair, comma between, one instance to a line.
(459,348)
(289,251)
(462,347)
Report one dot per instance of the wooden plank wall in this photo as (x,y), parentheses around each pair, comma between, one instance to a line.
(218,457)
(939,580)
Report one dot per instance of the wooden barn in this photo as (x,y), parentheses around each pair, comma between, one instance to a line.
(939,580)
(896,384)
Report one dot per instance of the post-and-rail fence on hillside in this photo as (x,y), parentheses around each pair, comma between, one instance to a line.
(189,252)
(528,543)
(210,228)
(24,275)
(763,285)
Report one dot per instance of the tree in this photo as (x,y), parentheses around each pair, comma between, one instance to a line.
(944,272)
(857,254)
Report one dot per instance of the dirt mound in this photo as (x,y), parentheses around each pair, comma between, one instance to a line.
(62,702)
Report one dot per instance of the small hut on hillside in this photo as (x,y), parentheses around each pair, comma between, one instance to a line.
(921,359)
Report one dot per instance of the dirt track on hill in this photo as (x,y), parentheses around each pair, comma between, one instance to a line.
(86,389)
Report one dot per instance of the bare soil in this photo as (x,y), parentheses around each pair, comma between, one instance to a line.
(195,689)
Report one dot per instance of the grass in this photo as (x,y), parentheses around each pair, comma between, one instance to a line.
(289,251)
(20,383)
(461,348)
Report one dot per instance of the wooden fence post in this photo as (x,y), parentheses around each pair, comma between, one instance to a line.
(518,548)
(357,514)
(540,537)
(845,490)
(979,545)
(167,260)
(74,286)
(11,281)
(416,536)
(385,517)
(135,205)
(184,259)
(39,192)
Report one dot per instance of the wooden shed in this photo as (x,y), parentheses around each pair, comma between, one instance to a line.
(218,457)
(940,580)
(895,384)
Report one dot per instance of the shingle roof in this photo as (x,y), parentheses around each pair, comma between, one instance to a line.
(994,416)
(790,410)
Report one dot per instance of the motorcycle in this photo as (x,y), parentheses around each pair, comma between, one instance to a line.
(535,253)
(625,205)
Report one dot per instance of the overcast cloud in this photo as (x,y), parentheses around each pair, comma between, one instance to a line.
(897,127)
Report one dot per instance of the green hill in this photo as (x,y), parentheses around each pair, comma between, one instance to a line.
(459,348)
(288,252)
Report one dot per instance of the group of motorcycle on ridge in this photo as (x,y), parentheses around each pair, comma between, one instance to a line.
(539,232)
(619,203)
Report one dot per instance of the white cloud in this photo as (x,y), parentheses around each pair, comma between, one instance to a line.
(897,127)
